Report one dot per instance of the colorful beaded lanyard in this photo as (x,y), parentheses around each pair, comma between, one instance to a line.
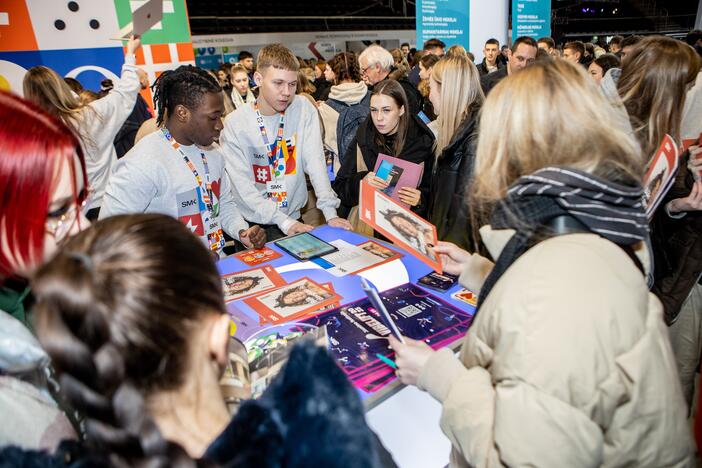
(275,154)
(205,189)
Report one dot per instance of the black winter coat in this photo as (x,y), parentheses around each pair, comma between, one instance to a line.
(418,148)
(453,171)
(677,248)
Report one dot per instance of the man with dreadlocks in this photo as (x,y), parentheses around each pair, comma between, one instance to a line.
(179,170)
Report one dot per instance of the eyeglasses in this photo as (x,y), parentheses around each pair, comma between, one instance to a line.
(60,222)
(364,70)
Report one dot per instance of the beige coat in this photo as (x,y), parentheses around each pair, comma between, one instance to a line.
(568,364)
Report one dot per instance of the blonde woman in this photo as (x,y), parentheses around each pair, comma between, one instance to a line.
(96,123)
(457,97)
(567,362)
(241,92)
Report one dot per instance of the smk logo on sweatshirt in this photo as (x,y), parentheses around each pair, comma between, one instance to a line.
(191,207)
(262,174)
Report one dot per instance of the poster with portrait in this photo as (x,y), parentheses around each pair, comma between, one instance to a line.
(250,282)
(660,175)
(292,301)
(400,225)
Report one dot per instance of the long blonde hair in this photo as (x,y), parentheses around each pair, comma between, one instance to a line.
(653,87)
(460,92)
(549,114)
(45,88)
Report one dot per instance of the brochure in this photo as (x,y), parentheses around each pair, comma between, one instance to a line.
(400,225)
(398,173)
(660,175)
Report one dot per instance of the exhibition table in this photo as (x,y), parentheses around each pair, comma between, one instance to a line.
(405,419)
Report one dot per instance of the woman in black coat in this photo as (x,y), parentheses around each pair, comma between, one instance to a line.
(457,98)
(390,130)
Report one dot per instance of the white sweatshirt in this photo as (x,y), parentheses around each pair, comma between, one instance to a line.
(247,163)
(153,178)
(101,120)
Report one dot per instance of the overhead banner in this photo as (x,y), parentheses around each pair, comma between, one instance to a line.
(531,18)
(443,19)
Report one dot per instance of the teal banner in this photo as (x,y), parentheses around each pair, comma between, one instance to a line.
(531,18)
(443,19)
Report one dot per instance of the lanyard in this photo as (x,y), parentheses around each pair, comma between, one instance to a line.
(207,189)
(275,151)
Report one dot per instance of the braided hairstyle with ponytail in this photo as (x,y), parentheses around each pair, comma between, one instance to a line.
(116,310)
(345,67)
(186,86)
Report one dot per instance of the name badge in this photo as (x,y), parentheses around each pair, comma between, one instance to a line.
(277,192)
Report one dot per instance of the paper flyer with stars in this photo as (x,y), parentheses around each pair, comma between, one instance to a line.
(356,332)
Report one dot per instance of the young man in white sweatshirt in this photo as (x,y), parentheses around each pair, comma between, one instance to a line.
(270,145)
(179,170)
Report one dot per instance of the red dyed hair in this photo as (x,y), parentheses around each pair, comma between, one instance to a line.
(32,144)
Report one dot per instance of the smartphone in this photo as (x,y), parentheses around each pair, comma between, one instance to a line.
(439,282)
(377,303)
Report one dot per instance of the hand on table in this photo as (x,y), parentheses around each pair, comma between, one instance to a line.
(340,223)
(254,237)
(376,182)
(299,227)
(409,195)
(410,358)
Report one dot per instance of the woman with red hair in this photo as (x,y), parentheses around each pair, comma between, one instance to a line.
(43,186)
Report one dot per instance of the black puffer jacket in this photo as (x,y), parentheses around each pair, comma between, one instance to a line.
(418,148)
(677,248)
(451,177)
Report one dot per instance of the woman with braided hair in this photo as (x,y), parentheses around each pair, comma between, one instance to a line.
(139,339)
(43,189)
(347,106)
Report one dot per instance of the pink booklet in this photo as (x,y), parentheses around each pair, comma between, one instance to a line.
(398,173)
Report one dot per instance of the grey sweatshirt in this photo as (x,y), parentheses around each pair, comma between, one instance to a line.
(247,163)
(153,178)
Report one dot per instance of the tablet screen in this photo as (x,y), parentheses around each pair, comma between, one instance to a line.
(305,246)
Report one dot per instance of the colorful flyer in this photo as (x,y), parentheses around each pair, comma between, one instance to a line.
(255,257)
(250,282)
(400,225)
(357,333)
(296,300)
(398,173)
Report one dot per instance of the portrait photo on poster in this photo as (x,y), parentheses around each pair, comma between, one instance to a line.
(247,283)
(294,300)
(400,225)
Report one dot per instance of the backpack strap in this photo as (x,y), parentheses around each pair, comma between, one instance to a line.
(566,224)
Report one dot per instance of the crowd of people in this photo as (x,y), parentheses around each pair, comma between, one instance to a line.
(113,329)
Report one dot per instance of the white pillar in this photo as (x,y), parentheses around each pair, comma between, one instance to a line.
(488,19)
(698,21)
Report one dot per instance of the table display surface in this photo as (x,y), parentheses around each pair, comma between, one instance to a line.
(355,331)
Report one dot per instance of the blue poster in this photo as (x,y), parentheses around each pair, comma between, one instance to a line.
(531,18)
(443,19)
(89,66)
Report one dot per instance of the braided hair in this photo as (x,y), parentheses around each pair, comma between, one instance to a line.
(116,308)
(345,67)
(186,85)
